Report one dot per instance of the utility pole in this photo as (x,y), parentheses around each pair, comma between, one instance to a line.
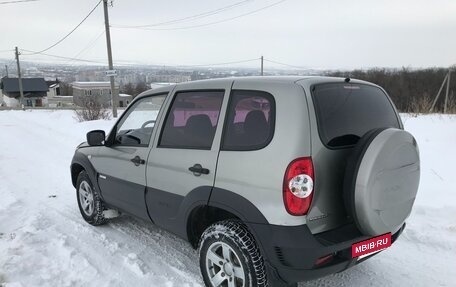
(21,91)
(446,81)
(447,92)
(6,68)
(108,44)
(262,60)
(438,93)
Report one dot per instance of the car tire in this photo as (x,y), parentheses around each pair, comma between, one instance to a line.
(229,256)
(353,163)
(381,180)
(90,204)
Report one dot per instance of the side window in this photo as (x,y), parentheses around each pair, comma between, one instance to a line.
(135,128)
(192,120)
(250,120)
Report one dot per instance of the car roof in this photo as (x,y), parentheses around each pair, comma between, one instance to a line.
(281,79)
(307,80)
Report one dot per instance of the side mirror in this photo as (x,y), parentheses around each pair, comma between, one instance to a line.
(96,137)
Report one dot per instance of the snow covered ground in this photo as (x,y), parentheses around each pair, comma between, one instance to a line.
(45,242)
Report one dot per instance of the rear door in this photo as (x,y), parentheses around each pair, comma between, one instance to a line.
(121,165)
(340,114)
(182,163)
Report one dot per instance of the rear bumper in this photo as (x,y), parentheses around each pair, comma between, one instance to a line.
(291,252)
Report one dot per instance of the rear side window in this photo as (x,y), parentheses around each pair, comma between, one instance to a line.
(345,112)
(250,120)
(192,120)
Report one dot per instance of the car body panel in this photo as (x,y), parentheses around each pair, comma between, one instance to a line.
(122,182)
(253,174)
(168,168)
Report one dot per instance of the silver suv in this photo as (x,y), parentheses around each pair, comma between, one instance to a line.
(274,180)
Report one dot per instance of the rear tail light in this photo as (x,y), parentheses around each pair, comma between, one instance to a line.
(298,186)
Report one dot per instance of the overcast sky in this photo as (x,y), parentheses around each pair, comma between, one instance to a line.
(308,33)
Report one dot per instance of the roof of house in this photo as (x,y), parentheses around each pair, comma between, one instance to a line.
(52,83)
(85,85)
(11,85)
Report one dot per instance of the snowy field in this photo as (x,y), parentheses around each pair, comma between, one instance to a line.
(45,242)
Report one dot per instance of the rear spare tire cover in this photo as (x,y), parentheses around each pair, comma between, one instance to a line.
(381,180)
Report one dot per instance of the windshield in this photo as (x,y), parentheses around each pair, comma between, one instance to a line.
(136,126)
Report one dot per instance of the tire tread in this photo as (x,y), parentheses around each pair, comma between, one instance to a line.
(98,218)
(240,234)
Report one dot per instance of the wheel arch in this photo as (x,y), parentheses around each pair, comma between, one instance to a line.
(222,205)
(76,169)
(79,163)
(203,216)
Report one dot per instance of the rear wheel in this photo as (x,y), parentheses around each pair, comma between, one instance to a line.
(89,201)
(229,256)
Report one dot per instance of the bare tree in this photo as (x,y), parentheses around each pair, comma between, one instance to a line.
(140,87)
(65,89)
(128,89)
(410,89)
(452,104)
(420,105)
(91,109)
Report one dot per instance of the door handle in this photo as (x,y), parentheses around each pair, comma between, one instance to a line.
(137,160)
(197,169)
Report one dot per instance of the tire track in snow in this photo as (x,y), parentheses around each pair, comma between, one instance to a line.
(141,245)
(53,229)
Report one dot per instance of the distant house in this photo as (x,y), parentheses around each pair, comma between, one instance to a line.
(99,90)
(34,89)
(54,88)
(124,100)
(55,98)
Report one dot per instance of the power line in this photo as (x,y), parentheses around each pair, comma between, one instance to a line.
(103,63)
(212,23)
(129,64)
(91,43)
(12,61)
(60,57)
(284,64)
(188,18)
(9,65)
(120,62)
(76,59)
(71,32)
(219,21)
(17,1)
(219,64)
(88,46)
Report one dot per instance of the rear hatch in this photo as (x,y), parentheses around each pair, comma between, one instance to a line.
(340,114)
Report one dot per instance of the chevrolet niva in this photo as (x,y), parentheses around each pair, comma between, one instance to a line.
(274,180)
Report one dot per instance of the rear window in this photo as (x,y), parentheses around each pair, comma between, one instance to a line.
(345,112)
(250,120)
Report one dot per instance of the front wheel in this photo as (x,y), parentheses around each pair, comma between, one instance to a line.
(89,201)
(229,256)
